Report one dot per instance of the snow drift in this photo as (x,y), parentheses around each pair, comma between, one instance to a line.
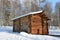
(38,37)
(6,33)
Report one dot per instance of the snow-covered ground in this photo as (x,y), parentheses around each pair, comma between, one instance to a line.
(6,33)
(54,32)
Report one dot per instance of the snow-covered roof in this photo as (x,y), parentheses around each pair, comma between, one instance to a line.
(27,14)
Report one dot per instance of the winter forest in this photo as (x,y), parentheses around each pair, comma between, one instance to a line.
(47,27)
(13,8)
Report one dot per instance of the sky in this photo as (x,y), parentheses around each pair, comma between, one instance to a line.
(53,2)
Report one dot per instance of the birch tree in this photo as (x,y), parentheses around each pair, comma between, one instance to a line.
(57,12)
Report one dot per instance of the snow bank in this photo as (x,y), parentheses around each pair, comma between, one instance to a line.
(38,37)
(8,36)
(6,33)
(25,36)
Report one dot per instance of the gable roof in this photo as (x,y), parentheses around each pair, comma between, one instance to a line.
(27,14)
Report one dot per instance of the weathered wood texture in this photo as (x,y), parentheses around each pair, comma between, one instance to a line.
(25,23)
(34,24)
(16,25)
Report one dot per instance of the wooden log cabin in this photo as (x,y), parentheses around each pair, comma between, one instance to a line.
(34,23)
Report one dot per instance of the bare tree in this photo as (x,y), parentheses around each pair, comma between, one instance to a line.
(12,8)
(57,11)
(6,11)
(48,11)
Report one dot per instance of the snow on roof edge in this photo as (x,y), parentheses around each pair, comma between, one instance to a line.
(27,14)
